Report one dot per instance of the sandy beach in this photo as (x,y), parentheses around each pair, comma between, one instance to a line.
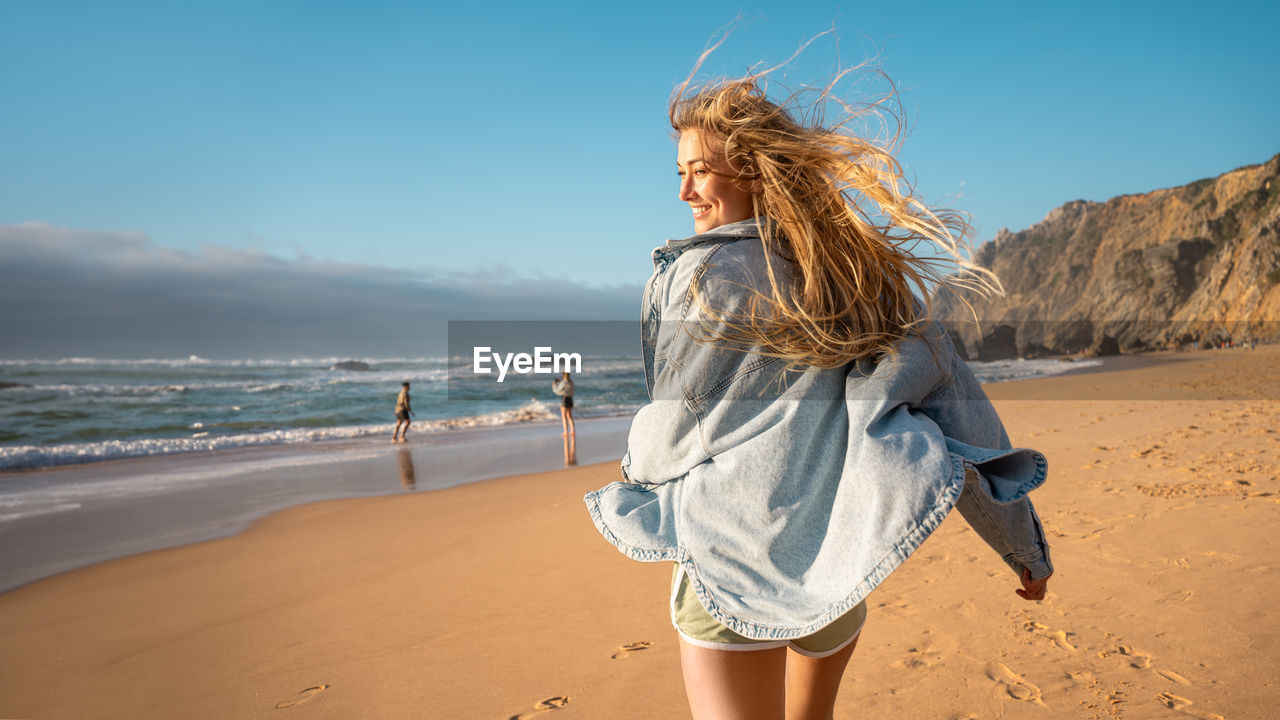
(497,599)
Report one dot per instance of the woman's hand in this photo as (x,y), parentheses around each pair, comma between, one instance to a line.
(1033,589)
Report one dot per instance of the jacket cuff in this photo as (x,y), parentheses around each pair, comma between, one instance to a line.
(1038,563)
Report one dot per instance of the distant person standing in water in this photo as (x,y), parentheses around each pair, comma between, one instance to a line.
(402,414)
(563,386)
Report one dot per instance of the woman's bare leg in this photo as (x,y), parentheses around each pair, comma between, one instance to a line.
(734,685)
(568,413)
(812,683)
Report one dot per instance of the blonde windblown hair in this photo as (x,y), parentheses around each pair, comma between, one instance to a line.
(836,206)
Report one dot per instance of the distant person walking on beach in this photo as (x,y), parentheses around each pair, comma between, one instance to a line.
(809,424)
(403,411)
(563,386)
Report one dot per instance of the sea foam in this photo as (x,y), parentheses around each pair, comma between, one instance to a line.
(26,457)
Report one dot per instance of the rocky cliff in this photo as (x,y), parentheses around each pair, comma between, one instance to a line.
(1192,265)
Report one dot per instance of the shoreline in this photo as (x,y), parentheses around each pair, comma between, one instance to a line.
(34,456)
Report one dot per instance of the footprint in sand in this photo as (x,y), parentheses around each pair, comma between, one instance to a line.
(1147,451)
(1014,684)
(301,697)
(1172,676)
(547,705)
(1171,701)
(1058,637)
(1215,557)
(1137,658)
(625,651)
(928,657)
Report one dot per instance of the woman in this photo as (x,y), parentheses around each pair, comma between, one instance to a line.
(563,386)
(809,426)
(402,415)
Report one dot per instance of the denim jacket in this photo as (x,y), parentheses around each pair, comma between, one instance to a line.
(789,494)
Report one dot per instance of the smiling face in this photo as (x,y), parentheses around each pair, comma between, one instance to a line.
(707,183)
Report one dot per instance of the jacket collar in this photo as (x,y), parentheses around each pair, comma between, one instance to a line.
(733,231)
(749,228)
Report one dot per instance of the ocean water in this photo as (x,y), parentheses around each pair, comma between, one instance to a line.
(75,410)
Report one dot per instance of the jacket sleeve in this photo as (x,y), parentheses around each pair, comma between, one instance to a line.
(1012,528)
(994,500)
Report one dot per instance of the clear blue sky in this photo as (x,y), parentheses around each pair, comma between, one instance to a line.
(527,142)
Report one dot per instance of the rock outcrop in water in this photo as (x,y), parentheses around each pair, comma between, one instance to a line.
(1192,265)
(350,365)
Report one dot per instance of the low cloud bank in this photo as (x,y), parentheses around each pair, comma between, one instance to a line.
(76,293)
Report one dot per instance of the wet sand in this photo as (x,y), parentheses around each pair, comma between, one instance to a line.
(497,599)
(76,515)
